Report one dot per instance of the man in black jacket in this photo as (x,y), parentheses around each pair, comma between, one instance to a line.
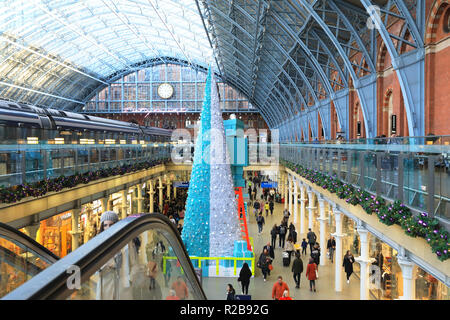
(311,239)
(331,246)
(297,269)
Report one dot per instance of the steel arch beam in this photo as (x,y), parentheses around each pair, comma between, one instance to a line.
(370,124)
(408,68)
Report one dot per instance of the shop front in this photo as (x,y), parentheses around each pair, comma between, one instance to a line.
(55,233)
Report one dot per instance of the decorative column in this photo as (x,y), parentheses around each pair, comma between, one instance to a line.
(295,202)
(310,209)
(104,202)
(285,191)
(151,192)
(290,195)
(302,209)
(75,231)
(139,199)
(124,207)
(338,235)
(407,267)
(364,262)
(322,220)
(168,187)
(160,187)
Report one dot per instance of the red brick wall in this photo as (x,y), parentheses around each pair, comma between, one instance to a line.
(437,70)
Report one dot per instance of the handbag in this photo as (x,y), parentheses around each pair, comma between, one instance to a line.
(317,274)
(270,267)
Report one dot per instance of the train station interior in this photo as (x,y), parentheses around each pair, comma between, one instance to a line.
(225,150)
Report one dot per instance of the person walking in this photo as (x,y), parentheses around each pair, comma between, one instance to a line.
(289,248)
(315,254)
(311,274)
(230,292)
(273,234)
(256,206)
(282,235)
(292,233)
(331,246)
(244,277)
(263,262)
(285,296)
(348,264)
(271,207)
(180,288)
(267,208)
(304,246)
(311,239)
(260,221)
(297,269)
(278,288)
(270,250)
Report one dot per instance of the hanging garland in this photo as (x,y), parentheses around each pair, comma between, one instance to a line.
(388,213)
(37,189)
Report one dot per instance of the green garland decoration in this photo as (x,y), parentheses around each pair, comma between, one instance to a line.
(388,213)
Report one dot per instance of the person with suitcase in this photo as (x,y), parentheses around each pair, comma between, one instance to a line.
(289,248)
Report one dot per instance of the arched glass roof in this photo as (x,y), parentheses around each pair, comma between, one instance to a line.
(66,49)
(290,58)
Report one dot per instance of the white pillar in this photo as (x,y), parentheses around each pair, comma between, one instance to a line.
(285,191)
(338,263)
(160,187)
(168,188)
(302,209)
(295,202)
(310,209)
(322,220)
(151,197)
(124,208)
(290,195)
(75,231)
(139,199)
(407,267)
(364,262)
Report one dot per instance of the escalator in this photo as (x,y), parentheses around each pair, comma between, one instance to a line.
(141,257)
(21,258)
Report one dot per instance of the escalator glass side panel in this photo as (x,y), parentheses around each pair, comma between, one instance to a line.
(18,264)
(139,271)
(141,257)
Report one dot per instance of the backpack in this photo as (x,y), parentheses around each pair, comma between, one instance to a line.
(282,230)
(259,219)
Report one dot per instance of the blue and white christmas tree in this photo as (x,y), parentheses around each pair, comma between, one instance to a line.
(211,224)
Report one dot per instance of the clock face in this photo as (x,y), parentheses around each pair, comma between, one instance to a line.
(165,90)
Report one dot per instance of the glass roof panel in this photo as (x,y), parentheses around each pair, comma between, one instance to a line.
(92,39)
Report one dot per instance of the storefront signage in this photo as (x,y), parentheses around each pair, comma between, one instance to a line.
(181,184)
(269,184)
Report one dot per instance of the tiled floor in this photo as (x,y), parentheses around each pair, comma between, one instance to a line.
(259,290)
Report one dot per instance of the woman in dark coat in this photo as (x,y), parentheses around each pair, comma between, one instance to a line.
(230,292)
(244,278)
(348,264)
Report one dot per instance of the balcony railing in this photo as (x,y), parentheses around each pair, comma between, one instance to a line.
(413,170)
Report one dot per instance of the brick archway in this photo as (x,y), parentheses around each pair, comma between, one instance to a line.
(437,10)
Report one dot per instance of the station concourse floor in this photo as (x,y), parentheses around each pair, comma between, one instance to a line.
(215,287)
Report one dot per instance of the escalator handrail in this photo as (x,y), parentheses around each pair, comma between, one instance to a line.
(20,237)
(51,283)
